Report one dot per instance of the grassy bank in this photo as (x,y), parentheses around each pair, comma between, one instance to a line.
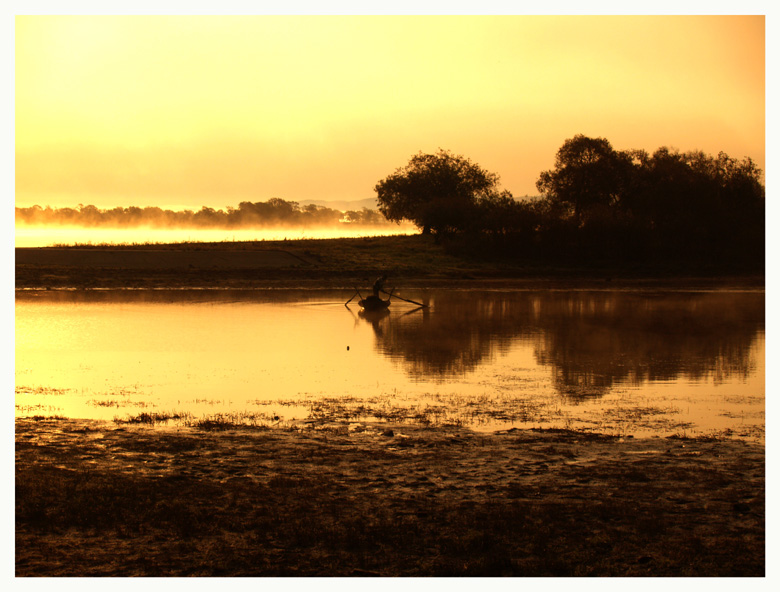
(100,499)
(331,263)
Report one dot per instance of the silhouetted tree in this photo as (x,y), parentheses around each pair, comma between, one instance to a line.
(440,192)
(364,217)
(89,215)
(671,206)
(699,205)
(588,172)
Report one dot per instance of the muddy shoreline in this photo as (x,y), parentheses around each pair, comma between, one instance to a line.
(357,500)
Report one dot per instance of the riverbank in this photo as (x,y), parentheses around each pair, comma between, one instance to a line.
(412,261)
(102,499)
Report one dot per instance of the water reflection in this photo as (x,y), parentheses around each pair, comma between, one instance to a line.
(593,342)
(639,361)
(590,340)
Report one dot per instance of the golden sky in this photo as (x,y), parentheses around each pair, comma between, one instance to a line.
(186,111)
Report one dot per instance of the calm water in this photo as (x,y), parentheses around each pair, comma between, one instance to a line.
(655,363)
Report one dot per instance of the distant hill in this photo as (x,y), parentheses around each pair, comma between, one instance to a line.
(343,205)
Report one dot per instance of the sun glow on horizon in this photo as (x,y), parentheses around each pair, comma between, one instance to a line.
(212,110)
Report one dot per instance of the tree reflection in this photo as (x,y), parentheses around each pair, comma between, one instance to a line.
(590,340)
(593,341)
(454,338)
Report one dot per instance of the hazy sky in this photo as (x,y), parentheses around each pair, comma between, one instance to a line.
(186,111)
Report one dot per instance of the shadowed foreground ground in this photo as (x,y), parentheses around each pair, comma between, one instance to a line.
(411,261)
(99,499)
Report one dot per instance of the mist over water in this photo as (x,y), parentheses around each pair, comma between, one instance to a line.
(45,236)
(274,219)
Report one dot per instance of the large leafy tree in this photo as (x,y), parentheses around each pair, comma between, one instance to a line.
(440,192)
(700,203)
(588,172)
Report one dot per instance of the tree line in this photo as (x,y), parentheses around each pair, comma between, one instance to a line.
(597,204)
(274,212)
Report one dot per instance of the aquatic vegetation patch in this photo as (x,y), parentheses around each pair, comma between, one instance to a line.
(104,403)
(353,409)
(637,413)
(440,410)
(225,421)
(37,409)
(153,418)
(280,403)
(719,436)
(40,390)
(117,404)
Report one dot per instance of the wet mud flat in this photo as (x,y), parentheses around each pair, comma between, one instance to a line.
(358,500)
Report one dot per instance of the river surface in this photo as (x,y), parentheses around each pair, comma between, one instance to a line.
(654,363)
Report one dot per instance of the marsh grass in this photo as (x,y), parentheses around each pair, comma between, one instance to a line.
(153,418)
(442,410)
(37,410)
(40,390)
(223,421)
(117,404)
(436,410)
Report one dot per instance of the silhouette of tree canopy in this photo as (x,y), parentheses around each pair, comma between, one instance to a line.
(588,172)
(440,193)
(698,203)
(603,204)
(597,206)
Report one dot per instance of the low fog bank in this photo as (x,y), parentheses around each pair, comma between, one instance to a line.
(274,213)
(61,235)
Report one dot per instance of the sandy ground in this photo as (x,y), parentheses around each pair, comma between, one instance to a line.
(383,500)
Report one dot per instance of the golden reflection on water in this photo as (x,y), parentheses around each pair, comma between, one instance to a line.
(631,362)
